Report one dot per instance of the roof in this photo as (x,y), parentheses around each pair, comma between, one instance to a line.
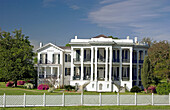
(65,48)
(101,35)
(50,44)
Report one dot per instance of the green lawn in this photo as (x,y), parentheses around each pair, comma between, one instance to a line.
(94,108)
(20,91)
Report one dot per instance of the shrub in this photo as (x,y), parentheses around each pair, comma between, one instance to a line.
(135,89)
(51,89)
(29,85)
(69,87)
(43,87)
(163,89)
(9,84)
(152,89)
(20,82)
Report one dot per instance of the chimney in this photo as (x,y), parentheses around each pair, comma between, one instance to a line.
(127,37)
(136,40)
(41,44)
(75,37)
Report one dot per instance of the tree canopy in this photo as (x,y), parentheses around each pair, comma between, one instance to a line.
(159,55)
(16,56)
(68,45)
(146,73)
(113,37)
(147,40)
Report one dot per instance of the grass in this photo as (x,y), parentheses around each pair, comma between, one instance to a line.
(20,91)
(94,108)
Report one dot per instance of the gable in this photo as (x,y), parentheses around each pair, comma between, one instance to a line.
(49,48)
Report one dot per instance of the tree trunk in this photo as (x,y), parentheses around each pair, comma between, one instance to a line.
(15,82)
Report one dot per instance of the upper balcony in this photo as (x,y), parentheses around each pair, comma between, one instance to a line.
(76,60)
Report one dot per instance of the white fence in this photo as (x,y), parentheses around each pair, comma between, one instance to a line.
(76,100)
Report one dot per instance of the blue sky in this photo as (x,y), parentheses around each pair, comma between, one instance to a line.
(58,21)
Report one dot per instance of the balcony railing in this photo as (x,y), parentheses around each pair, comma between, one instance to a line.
(100,78)
(87,77)
(101,59)
(125,78)
(76,59)
(77,77)
(125,60)
(87,59)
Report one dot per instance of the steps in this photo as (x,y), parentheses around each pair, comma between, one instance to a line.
(121,88)
(81,87)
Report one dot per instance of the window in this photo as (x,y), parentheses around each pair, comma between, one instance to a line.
(67,58)
(43,58)
(67,71)
(56,58)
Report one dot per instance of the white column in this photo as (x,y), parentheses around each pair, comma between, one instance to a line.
(95,63)
(45,72)
(72,66)
(137,67)
(61,71)
(82,57)
(92,52)
(106,63)
(110,72)
(131,65)
(120,67)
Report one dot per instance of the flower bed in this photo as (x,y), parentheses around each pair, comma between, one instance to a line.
(43,87)
(20,82)
(9,84)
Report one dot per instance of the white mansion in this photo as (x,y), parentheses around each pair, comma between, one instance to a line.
(102,63)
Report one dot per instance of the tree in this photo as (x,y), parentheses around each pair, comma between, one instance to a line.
(113,37)
(159,55)
(147,40)
(146,73)
(16,56)
(68,45)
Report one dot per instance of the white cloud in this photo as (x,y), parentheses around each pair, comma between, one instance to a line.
(142,17)
(48,3)
(74,7)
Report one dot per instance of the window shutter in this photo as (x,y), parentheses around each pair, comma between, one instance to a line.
(53,59)
(97,53)
(122,54)
(65,57)
(117,55)
(113,55)
(58,58)
(65,71)
(46,59)
(40,58)
(126,54)
(74,71)
(84,54)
